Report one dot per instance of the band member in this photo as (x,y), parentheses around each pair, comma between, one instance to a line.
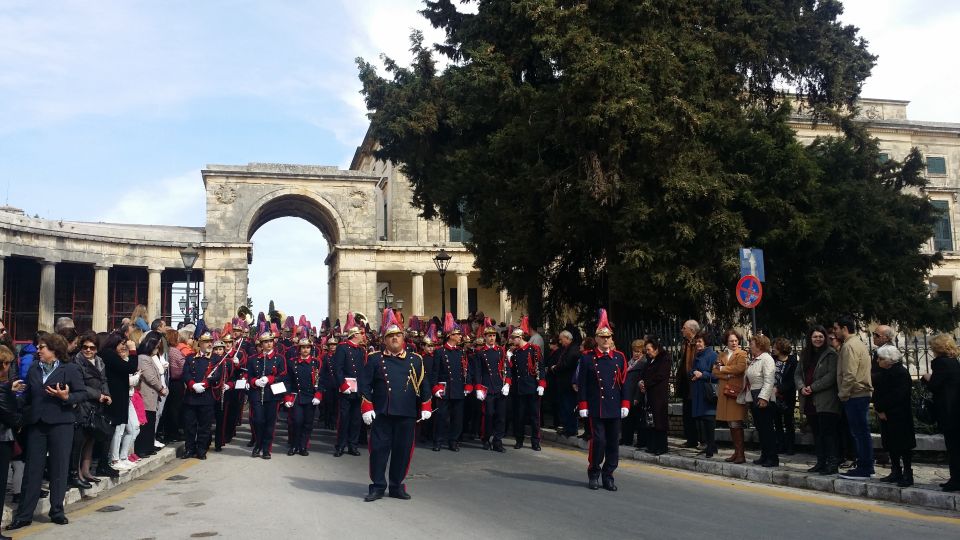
(263,371)
(395,393)
(330,392)
(429,346)
(199,374)
(450,386)
(303,385)
(528,375)
(219,389)
(235,395)
(491,381)
(348,361)
(603,403)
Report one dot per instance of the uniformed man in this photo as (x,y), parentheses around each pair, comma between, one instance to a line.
(219,388)
(330,392)
(603,403)
(450,386)
(234,385)
(528,377)
(395,393)
(429,346)
(303,385)
(263,371)
(198,403)
(491,381)
(348,361)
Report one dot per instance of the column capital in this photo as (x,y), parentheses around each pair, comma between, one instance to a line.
(463,273)
(102,266)
(418,272)
(156,269)
(50,261)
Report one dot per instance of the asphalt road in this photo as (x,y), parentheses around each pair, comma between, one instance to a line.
(472,494)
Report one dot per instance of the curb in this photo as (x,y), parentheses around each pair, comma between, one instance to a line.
(106,485)
(868,489)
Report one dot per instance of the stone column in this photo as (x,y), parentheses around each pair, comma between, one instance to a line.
(416,291)
(100,288)
(2,264)
(48,276)
(462,304)
(955,293)
(505,307)
(153,293)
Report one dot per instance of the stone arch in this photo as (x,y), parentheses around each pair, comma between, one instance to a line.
(293,202)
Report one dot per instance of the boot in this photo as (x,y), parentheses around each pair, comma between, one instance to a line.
(906,479)
(737,435)
(832,466)
(896,473)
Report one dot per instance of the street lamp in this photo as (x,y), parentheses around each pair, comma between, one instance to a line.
(442,260)
(389,300)
(189,256)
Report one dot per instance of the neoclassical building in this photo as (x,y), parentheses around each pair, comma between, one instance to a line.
(97,272)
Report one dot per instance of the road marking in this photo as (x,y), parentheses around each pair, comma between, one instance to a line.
(782,492)
(117,497)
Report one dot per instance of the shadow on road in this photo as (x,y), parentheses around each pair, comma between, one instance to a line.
(334,487)
(543,479)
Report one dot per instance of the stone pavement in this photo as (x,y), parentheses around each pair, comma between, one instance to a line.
(106,485)
(792,472)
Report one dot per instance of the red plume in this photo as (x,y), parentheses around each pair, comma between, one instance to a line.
(273,329)
(525,325)
(603,323)
(448,324)
(227,328)
(350,322)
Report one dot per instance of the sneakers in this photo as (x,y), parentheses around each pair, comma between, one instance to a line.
(122,465)
(158,445)
(854,474)
(133,458)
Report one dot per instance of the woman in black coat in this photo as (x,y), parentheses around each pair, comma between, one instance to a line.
(655,385)
(636,421)
(944,382)
(117,371)
(98,395)
(891,400)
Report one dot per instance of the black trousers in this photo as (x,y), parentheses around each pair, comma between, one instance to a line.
(825,437)
(494,418)
(232,407)
(42,438)
(391,438)
(634,423)
(219,423)
(348,423)
(329,408)
(785,424)
(707,426)
(449,423)
(143,445)
(657,441)
(263,418)
(689,424)
(527,409)
(301,424)
(951,439)
(604,453)
(763,421)
(197,421)
(6,453)
(472,416)
(171,421)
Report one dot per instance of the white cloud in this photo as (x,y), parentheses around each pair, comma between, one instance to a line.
(179,200)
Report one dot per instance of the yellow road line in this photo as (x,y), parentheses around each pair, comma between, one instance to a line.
(784,492)
(117,497)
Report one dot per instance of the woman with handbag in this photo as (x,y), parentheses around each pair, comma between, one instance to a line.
(817,380)
(151,389)
(703,395)
(97,394)
(10,419)
(786,393)
(121,367)
(760,377)
(636,421)
(944,382)
(655,385)
(729,371)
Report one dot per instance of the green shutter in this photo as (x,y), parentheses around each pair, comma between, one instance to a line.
(942,231)
(936,165)
(882,158)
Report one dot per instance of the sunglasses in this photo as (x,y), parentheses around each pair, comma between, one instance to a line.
(89,347)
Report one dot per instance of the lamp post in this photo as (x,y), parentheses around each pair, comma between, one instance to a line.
(442,260)
(388,300)
(189,256)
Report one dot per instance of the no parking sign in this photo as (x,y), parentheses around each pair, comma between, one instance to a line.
(749,291)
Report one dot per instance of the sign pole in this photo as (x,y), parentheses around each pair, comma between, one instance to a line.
(753,312)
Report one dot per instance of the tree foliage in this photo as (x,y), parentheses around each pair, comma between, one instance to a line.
(618,152)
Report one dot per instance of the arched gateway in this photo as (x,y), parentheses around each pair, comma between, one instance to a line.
(96,272)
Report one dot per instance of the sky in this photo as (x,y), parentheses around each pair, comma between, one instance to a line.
(109,109)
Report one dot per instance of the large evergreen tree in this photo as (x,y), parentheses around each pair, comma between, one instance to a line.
(618,152)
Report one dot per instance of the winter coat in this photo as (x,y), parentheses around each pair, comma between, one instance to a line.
(730,372)
(892,397)
(702,362)
(824,385)
(656,380)
(945,385)
(117,372)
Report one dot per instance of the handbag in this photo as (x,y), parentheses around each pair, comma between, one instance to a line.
(732,390)
(710,393)
(95,422)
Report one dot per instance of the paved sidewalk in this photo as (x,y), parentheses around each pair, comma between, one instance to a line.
(792,472)
(147,465)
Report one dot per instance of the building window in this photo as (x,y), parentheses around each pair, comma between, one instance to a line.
(459,234)
(936,165)
(883,157)
(942,231)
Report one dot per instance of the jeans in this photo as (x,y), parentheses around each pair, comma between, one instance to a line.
(856,409)
(124,435)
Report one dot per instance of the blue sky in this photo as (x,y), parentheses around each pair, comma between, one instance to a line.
(109,109)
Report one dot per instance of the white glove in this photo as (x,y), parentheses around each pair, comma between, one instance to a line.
(315,401)
(198,388)
(466,393)
(624,412)
(236,361)
(260,382)
(347,392)
(226,387)
(288,404)
(584,413)
(368,417)
(481,395)
(439,393)
(540,391)
(506,390)
(425,415)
